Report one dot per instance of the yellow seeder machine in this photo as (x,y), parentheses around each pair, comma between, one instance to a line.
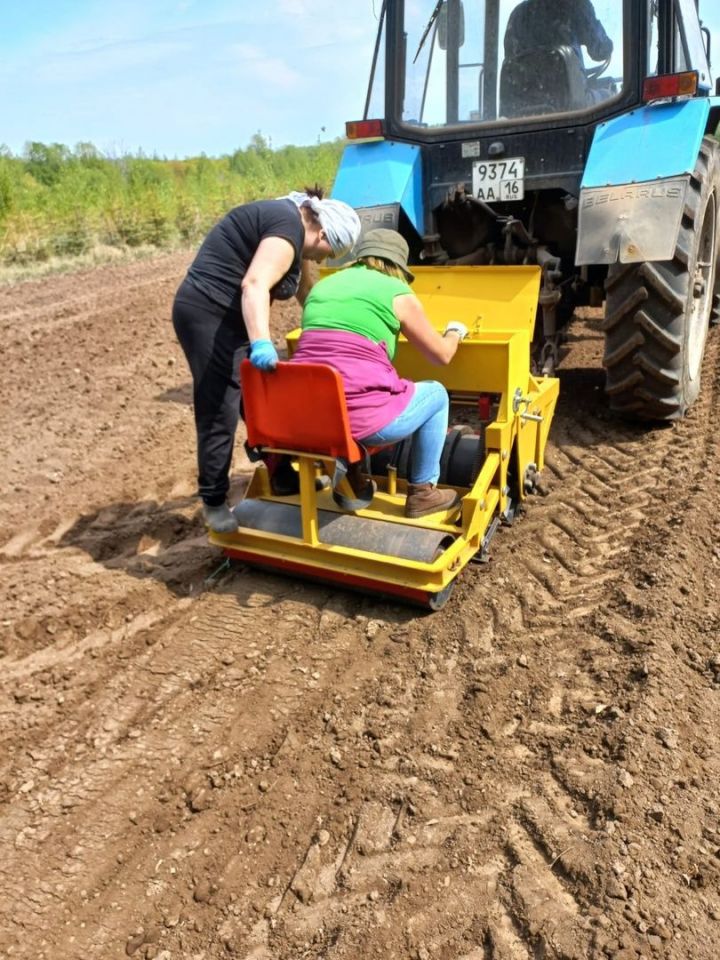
(299,410)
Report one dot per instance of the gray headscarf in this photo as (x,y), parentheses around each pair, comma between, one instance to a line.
(338,220)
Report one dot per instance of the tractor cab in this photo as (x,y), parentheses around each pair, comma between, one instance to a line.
(497,60)
(456,66)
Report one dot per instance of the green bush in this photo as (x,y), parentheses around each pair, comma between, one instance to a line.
(6,189)
(57,201)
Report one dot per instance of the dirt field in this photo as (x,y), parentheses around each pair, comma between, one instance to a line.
(258,768)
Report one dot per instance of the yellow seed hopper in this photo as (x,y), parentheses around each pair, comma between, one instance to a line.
(493,466)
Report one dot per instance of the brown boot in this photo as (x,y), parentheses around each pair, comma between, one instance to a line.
(424,499)
(363,489)
(357,479)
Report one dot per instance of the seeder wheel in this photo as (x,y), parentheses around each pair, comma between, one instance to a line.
(436,601)
(460,463)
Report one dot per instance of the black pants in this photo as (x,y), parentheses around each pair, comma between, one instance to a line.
(214,340)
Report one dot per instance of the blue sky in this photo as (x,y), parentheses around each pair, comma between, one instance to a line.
(181,77)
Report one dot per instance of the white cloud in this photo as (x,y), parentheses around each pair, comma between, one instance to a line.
(181,77)
(91,64)
(245,51)
(273,72)
(257,67)
(297,8)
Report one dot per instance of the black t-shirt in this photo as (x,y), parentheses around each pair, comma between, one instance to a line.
(224,257)
(553,23)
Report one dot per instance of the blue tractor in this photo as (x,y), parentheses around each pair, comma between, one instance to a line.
(576,136)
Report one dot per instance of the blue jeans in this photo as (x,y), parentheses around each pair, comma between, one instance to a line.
(425,419)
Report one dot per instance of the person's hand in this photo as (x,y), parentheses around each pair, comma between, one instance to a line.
(456,327)
(263,355)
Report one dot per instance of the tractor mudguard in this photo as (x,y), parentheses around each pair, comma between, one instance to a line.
(379,180)
(633,191)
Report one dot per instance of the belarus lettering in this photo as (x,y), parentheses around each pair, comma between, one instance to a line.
(672,191)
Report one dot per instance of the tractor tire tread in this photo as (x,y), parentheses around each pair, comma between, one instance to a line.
(625,308)
(648,309)
(623,386)
(660,281)
(621,270)
(669,377)
(629,346)
(664,338)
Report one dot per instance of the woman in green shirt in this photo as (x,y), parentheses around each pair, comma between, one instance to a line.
(351,320)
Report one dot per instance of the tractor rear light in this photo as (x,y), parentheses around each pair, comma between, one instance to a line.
(364,129)
(670,85)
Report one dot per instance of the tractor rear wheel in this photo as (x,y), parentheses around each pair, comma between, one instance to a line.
(657,314)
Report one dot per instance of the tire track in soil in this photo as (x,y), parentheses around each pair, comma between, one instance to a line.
(159,708)
(577,585)
(268,770)
(537,845)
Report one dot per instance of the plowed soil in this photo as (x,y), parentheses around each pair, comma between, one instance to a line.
(196,767)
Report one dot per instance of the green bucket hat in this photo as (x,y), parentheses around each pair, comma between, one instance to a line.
(386,244)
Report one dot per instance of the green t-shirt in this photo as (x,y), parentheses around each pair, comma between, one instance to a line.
(357,300)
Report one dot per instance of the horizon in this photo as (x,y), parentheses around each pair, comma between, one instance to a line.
(257,142)
(165,78)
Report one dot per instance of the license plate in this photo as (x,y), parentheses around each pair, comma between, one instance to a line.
(499,180)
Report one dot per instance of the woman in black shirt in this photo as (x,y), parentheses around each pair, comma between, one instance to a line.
(257,253)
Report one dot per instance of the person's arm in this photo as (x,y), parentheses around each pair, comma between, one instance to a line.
(308,279)
(272,260)
(592,33)
(435,347)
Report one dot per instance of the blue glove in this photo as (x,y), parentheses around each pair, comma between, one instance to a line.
(263,355)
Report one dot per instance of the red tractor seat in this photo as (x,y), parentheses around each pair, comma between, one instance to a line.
(298,406)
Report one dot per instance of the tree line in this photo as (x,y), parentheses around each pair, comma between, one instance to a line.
(57,201)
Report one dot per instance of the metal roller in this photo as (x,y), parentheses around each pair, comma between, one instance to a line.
(451,440)
(380,461)
(403,458)
(398,456)
(461,460)
(345,530)
(466,460)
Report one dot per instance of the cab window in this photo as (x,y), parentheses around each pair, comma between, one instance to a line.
(482,61)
